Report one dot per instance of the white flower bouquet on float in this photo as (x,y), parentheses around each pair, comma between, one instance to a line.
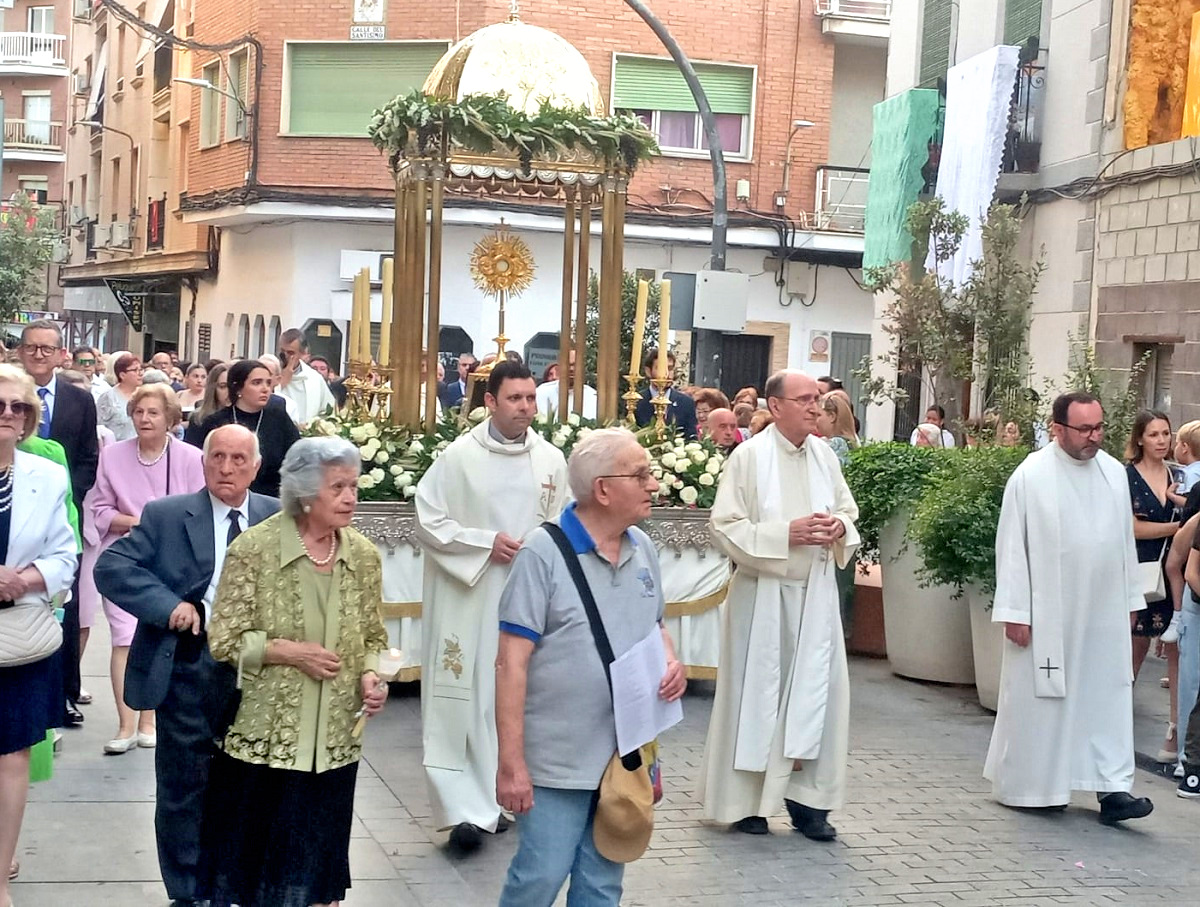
(395,459)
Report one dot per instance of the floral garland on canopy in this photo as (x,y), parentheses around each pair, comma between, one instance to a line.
(395,459)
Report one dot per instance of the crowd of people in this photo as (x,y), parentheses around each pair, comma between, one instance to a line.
(181,501)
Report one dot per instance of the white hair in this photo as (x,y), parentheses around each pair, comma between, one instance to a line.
(595,456)
(303,471)
(208,440)
(271,361)
(155,376)
(931,433)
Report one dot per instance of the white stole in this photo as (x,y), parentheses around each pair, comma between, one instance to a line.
(812,666)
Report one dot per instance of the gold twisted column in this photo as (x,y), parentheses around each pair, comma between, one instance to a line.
(581,298)
(568,286)
(434,341)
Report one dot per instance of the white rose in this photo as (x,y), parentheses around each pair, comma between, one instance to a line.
(688,495)
(416,447)
(681,465)
(692,446)
(542,418)
(572,418)
(664,490)
(365,481)
(366,453)
(559,441)
(681,451)
(713,466)
(699,456)
(410,490)
(371,429)
(405,481)
(358,434)
(381,457)
(396,469)
(677,484)
(478,414)
(706,479)
(668,461)
(378,475)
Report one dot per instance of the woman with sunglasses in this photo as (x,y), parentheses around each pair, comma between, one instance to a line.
(112,409)
(37,562)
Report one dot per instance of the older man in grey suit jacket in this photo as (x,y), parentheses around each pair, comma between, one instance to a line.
(165,573)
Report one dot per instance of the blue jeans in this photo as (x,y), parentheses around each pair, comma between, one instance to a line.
(556,842)
(1189,667)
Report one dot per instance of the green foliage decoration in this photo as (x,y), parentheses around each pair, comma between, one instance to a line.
(884,478)
(954,522)
(417,125)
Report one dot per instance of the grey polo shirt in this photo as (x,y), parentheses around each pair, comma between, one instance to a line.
(569,729)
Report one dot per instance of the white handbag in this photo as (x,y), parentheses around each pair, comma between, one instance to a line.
(1151,578)
(28,633)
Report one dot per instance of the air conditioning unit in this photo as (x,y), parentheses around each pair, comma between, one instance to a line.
(122,235)
(83,83)
(101,235)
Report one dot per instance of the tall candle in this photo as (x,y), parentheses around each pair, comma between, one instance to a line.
(385,325)
(639,327)
(356,315)
(664,328)
(364,277)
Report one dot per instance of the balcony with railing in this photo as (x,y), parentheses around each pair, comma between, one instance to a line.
(1023,144)
(856,19)
(32,53)
(841,199)
(33,140)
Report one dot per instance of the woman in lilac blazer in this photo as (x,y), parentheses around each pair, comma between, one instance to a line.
(131,474)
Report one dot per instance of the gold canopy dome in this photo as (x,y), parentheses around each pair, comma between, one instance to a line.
(529,64)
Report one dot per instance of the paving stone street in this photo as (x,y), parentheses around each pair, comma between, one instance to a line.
(919,827)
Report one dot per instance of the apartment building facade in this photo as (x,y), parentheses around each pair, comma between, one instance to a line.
(1113,209)
(34,89)
(267,132)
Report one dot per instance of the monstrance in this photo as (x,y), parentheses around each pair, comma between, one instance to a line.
(502,266)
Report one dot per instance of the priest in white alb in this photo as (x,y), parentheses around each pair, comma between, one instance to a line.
(476,503)
(779,731)
(1066,585)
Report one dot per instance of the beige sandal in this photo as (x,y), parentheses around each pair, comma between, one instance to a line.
(14,870)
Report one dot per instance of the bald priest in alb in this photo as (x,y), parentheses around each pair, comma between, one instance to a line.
(1066,585)
(780,724)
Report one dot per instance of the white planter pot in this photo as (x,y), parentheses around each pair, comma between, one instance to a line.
(928,631)
(987,639)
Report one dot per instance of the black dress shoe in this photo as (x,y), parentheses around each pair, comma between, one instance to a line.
(465,837)
(1119,806)
(752,825)
(812,823)
(72,717)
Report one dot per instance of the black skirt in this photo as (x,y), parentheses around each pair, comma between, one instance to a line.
(278,838)
(31,702)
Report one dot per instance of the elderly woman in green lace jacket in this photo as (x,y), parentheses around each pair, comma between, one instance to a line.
(298,613)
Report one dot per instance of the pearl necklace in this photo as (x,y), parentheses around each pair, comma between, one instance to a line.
(323,562)
(256,424)
(162,453)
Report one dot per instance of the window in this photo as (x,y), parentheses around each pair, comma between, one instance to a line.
(654,90)
(1022,21)
(243,336)
(260,335)
(1155,390)
(36,187)
(333,88)
(41,20)
(237,85)
(935,42)
(37,118)
(210,106)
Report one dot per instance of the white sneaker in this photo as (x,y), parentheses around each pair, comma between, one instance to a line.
(119,745)
(1178,773)
(1171,634)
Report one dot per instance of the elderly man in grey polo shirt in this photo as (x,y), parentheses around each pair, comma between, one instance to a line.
(554,713)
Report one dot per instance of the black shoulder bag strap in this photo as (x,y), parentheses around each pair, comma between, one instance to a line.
(631,761)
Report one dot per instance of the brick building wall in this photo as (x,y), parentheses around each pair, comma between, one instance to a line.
(794,81)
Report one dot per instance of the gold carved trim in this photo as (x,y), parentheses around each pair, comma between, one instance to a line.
(394,610)
(696,606)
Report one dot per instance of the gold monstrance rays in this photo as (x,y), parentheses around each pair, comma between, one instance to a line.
(502,265)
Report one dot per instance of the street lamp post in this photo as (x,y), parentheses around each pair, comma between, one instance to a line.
(708,343)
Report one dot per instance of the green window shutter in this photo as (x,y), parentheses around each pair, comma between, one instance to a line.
(1022,20)
(334,88)
(644,84)
(935,42)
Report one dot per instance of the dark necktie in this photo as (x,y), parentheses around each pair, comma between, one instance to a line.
(44,424)
(235,528)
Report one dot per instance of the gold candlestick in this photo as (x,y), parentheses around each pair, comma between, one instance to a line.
(660,401)
(357,386)
(631,399)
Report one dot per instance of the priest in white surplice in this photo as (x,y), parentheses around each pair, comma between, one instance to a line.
(780,722)
(1066,582)
(476,503)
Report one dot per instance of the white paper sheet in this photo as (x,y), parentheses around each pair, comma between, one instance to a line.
(639,712)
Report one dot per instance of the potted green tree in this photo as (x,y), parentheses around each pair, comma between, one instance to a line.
(954,527)
(926,630)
